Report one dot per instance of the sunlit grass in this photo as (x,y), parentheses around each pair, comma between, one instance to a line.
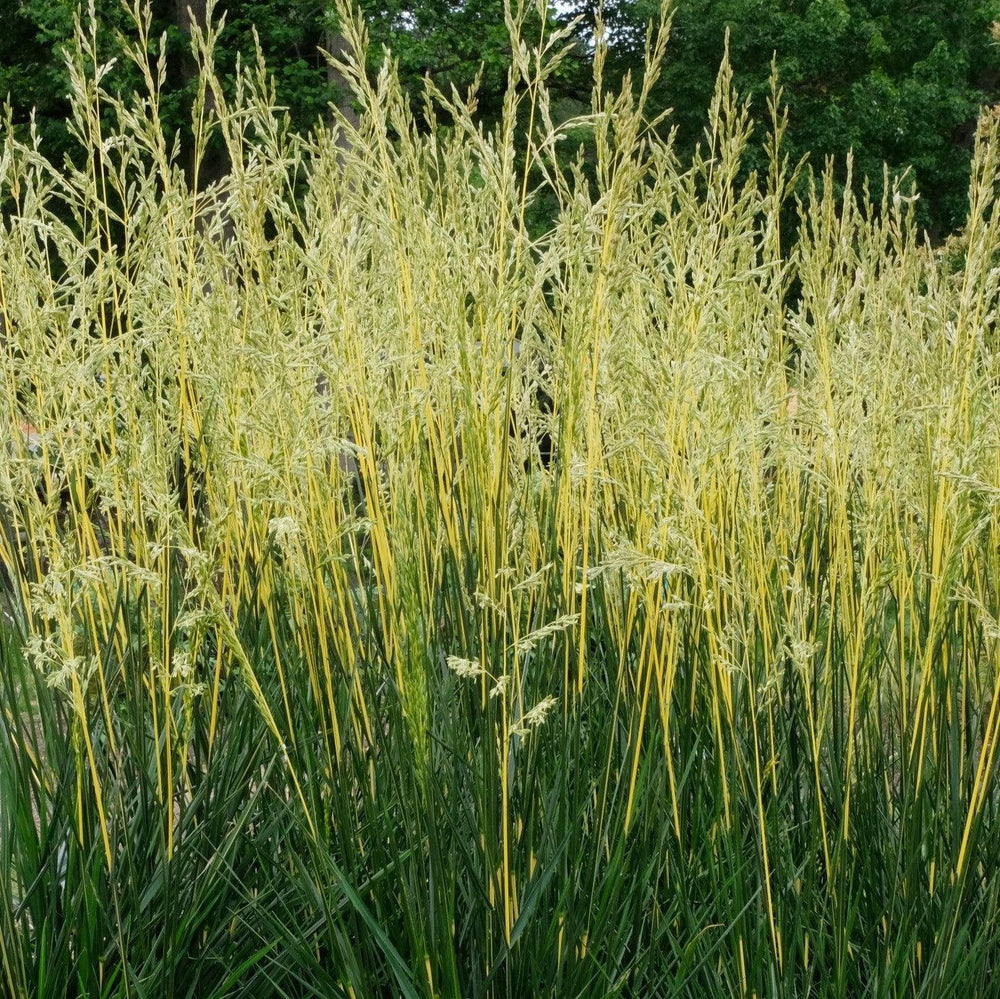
(322,676)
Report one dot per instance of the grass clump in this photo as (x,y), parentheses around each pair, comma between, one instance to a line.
(396,604)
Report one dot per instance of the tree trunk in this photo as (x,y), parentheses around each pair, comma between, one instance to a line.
(336,46)
(215,164)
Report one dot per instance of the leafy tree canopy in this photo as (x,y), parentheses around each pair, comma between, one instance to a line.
(896,82)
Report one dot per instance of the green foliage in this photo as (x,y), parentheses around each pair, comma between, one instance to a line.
(33,75)
(452,43)
(33,68)
(895,84)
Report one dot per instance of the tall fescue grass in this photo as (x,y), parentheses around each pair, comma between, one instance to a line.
(318,681)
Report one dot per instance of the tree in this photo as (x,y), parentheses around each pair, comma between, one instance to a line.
(290,33)
(894,81)
(897,82)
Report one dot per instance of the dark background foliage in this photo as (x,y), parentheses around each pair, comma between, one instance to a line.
(897,82)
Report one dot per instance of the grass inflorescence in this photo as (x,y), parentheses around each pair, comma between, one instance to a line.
(398,604)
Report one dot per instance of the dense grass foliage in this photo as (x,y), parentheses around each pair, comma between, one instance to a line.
(317,680)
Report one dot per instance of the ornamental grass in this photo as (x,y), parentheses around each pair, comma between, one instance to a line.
(403,599)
